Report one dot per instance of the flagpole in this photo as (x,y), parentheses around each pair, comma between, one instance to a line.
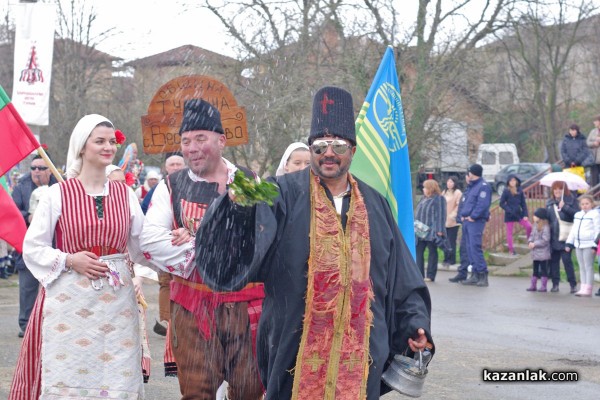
(25,128)
(49,163)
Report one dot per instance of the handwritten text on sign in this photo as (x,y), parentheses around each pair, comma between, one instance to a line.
(160,128)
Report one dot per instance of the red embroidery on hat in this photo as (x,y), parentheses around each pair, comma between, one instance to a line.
(325,102)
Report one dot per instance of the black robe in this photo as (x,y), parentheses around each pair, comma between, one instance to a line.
(238,245)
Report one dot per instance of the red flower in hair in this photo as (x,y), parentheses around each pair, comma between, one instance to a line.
(120,137)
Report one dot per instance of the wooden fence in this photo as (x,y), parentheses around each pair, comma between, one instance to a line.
(494,235)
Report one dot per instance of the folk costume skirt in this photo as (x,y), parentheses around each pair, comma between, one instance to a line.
(90,336)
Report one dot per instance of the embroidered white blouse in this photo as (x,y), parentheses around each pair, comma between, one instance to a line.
(47,263)
(158,225)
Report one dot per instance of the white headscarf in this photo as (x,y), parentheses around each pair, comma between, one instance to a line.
(80,134)
(288,152)
(111,168)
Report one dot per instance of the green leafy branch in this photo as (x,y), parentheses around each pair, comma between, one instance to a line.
(248,192)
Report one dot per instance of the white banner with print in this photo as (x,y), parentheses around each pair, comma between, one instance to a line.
(34,45)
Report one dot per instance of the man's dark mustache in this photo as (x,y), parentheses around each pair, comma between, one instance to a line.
(329,159)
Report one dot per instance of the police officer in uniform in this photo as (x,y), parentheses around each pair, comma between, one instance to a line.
(463,269)
(474,213)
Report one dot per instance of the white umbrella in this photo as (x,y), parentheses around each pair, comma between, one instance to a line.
(573,181)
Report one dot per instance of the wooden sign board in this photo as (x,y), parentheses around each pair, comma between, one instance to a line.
(160,128)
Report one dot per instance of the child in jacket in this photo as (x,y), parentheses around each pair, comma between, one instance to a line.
(539,243)
(514,205)
(585,230)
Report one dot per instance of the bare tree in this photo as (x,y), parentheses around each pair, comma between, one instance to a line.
(438,68)
(288,50)
(539,64)
(7,50)
(296,46)
(82,75)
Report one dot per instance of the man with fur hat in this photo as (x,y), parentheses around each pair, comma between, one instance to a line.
(212,334)
(474,213)
(343,293)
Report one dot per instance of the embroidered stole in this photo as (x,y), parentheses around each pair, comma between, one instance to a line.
(333,359)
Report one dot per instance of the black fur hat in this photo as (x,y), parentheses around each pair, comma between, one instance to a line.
(200,115)
(333,114)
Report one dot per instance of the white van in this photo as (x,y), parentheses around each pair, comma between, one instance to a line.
(495,156)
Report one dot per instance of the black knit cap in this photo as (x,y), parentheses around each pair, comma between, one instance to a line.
(200,115)
(333,114)
(476,169)
(541,213)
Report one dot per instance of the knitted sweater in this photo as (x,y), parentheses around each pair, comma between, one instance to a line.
(432,212)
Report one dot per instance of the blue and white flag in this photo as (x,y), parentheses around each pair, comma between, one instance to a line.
(381,158)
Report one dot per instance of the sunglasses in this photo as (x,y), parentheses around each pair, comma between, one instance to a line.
(33,168)
(339,147)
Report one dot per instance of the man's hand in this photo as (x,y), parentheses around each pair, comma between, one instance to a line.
(419,343)
(180,236)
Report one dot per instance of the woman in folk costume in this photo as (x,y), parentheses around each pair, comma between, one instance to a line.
(90,346)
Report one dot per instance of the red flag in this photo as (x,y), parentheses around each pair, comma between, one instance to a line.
(12,228)
(15,136)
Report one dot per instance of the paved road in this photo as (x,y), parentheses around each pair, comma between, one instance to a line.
(505,327)
(500,327)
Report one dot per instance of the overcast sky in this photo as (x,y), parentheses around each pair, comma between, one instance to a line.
(165,24)
(147,27)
